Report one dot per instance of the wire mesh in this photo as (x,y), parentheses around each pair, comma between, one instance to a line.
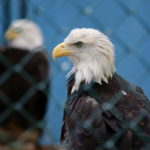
(125,22)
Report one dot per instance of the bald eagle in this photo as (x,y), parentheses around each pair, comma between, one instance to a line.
(103,110)
(24,84)
(24,34)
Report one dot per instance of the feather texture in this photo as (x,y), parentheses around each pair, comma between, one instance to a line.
(22,94)
(96,113)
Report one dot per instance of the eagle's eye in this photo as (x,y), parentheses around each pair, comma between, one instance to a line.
(17,30)
(79,44)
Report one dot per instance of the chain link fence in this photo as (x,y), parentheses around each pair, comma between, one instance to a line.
(125,22)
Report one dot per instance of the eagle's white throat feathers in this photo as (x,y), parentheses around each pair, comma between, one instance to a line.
(95,61)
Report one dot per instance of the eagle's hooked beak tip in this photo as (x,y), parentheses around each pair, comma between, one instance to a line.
(11,34)
(53,58)
(60,51)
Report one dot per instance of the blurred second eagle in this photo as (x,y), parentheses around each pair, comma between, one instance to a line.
(24,83)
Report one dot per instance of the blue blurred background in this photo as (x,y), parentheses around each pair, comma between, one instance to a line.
(126,22)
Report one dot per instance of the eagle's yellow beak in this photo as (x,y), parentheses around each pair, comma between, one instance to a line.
(11,34)
(60,51)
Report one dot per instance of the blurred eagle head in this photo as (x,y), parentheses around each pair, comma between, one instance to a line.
(24,33)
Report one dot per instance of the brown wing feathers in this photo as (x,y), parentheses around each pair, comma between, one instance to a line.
(21,91)
(87,125)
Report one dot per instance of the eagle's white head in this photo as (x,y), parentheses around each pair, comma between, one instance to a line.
(25,34)
(92,54)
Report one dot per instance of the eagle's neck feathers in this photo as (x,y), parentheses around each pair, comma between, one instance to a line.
(97,69)
(26,43)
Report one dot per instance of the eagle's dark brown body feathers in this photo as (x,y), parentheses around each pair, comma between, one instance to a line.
(21,93)
(90,119)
